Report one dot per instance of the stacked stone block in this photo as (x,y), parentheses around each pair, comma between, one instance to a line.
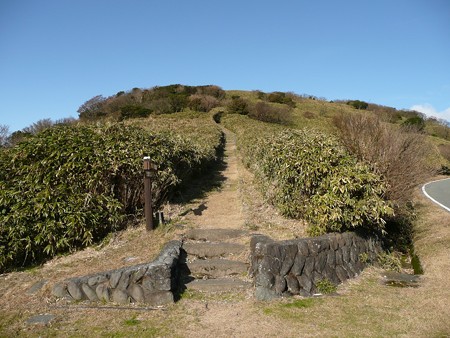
(152,283)
(294,267)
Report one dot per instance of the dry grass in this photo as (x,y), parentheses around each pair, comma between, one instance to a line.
(404,157)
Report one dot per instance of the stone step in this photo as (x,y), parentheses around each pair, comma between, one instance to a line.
(209,250)
(215,268)
(214,235)
(218,285)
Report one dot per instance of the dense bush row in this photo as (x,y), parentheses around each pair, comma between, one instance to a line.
(261,110)
(307,174)
(68,186)
(159,100)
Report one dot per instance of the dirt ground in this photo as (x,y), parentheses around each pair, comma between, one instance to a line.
(362,307)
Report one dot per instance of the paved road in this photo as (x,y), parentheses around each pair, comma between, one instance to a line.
(439,192)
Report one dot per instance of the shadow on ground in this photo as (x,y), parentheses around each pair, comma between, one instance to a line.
(209,179)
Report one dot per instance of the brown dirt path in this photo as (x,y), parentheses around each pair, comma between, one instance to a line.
(222,208)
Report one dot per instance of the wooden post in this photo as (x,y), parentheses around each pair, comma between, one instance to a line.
(148,210)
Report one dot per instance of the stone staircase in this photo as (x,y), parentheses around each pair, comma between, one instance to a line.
(215,260)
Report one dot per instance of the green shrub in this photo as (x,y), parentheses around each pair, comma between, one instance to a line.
(238,105)
(325,286)
(416,122)
(133,111)
(280,97)
(69,186)
(357,104)
(390,261)
(307,174)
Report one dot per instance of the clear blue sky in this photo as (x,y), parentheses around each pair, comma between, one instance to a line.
(56,54)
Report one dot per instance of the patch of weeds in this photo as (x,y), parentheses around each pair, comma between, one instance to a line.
(192,295)
(325,286)
(217,297)
(291,310)
(390,261)
(364,258)
(268,311)
(133,321)
(252,227)
(33,270)
(105,241)
(300,303)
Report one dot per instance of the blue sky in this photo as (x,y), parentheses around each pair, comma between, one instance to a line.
(56,54)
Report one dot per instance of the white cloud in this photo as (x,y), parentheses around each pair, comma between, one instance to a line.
(430,111)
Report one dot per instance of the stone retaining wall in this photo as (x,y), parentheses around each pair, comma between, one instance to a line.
(294,267)
(152,283)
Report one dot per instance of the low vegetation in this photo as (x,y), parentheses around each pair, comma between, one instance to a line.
(307,174)
(69,186)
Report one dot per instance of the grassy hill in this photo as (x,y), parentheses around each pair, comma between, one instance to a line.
(175,125)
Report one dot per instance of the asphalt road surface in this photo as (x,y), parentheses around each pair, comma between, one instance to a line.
(439,192)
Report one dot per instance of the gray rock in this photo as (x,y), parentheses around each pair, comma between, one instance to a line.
(60,290)
(288,255)
(309,266)
(334,243)
(330,274)
(138,274)
(348,238)
(272,264)
(257,244)
(313,246)
(159,271)
(75,291)
(37,286)
(214,268)
(156,282)
(317,277)
(341,273)
(158,277)
(354,254)
(114,279)
(41,319)
(124,280)
(136,292)
(209,250)
(216,285)
(331,258)
(392,278)
(265,294)
(98,279)
(148,283)
(159,298)
(305,283)
(320,261)
(120,296)
(103,292)
(346,254)
(298,265)
(339,259)
(352,272)
(303,248)
(90,294)
(214,235)
(341,242)
(292,284)
(266,280)
(280,285)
